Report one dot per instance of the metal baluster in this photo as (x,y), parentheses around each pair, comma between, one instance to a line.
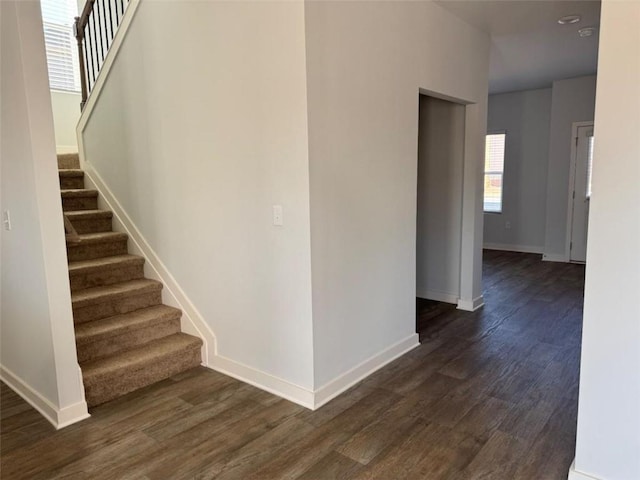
(107,41)
(94,49)
(96,13)
(113,30)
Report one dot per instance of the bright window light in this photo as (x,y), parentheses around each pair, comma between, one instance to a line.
(62,51)
(494,172)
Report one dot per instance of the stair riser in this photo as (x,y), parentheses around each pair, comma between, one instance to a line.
(69,183)
(103,388)
(73,204)
(105,276)
(128,340)
(89,251)
(116,307)
(68,161)
(92,225)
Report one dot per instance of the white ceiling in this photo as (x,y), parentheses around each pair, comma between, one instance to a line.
(529,49)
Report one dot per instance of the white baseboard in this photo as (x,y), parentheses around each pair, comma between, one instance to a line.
(345,381)
(576,475)
(66,149)
(264,381)
(437,296)
(192,321)
(471,305)
(58,417)
(303,396)
(553,257)
(505,247)
(72,414)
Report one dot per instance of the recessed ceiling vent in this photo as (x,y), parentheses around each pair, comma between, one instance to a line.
(569,19)
(586,31)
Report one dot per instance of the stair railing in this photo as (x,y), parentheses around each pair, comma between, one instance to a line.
(94,30)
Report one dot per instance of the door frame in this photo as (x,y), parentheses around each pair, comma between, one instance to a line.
(572,179)
(475,130)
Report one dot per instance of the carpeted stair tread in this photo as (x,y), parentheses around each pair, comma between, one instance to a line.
(99,237)
(71,179)
(120,324)
(78,193)
(145,353)
(97,245)
(116,261)
(78,198)
(113,376)
(82,214)
(96,295)
(68,160)
(71,172)
(105,270)
(126,338)
(90,221)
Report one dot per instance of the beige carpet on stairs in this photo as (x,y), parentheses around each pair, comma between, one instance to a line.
(126,338)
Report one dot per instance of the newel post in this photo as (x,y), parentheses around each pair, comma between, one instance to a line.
(78,32)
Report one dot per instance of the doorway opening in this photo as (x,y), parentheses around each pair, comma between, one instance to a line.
(441,137)
(579,191)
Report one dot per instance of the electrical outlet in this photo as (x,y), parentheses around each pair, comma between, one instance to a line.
(277,215)
(507,225)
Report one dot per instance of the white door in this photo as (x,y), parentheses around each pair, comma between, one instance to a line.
(581,194)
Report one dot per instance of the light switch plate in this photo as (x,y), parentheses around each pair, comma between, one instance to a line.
(6,220)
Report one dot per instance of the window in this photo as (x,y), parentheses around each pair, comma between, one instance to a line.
(494,172)
(62,51)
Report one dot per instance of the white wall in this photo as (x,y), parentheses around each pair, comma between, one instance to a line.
(38,356)
(608,439)
(198,134)
(572,100)
(526,117)
(440,163)
(198,171)
(366,64)
(66,113)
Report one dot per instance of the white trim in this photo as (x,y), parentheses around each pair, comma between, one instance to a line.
(471,305)
(61,149)
(572,178)
(345,381)
(192,321)
(313,399)
(505,247)
(112,53)
(77,93)
(264,381)
(554,257)
(438,296)
(58,417)
(576,475)
(72,414)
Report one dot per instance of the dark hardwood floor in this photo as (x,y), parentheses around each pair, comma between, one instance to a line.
(487,395)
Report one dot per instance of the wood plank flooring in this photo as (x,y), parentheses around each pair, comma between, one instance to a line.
(488,395)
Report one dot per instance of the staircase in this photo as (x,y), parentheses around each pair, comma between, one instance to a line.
(126,338)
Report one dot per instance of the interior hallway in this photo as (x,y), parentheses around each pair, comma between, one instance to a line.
(490,394)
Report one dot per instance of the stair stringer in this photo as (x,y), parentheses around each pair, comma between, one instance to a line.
(173,295)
